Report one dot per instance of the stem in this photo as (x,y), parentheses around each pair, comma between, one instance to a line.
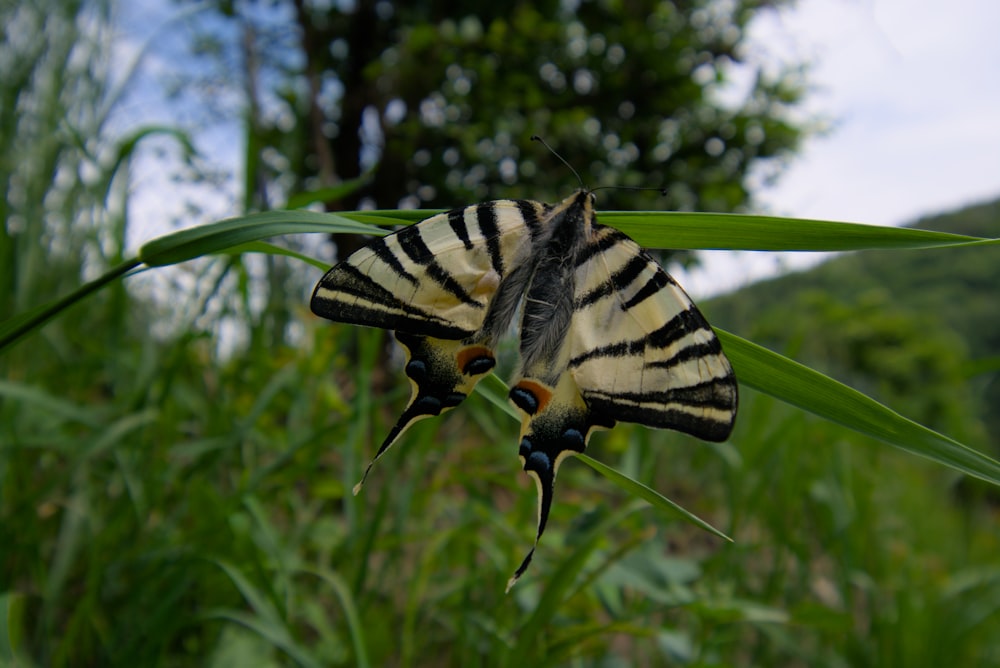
(10,333)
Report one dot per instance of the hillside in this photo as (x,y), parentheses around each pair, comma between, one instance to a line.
(917,329)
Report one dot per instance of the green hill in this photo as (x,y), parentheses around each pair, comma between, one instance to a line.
(919,330)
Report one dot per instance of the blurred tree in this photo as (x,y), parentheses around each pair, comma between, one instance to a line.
(438,99)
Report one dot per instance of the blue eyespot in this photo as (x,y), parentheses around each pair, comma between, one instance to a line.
(417,370)
(428,405)
(573,439)
(453,399)
(538,461)
(524,399)
(479,366)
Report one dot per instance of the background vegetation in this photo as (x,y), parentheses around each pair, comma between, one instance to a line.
(166,501)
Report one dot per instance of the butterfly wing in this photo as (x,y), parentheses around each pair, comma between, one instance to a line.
(433,283)
(636,350)
(640,351)
(442,374)
(435,278)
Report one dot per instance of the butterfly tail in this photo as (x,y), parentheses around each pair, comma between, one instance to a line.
(556,424)
(442,374)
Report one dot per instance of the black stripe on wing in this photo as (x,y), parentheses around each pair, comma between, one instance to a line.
(621,279)
(347,295)
(382,251)
(672,331)
(704,411)
(486,218)
(456,220)
(532,213)
(412,243)
(656,282)
(604,238)
(694,351)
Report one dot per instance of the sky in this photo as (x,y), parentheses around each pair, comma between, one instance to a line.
(912,89)
(912,92)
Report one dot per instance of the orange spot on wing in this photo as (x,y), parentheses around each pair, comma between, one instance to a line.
(466,355)
(542,393)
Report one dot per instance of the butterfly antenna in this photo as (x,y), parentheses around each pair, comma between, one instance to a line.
(553,152)
(662,191)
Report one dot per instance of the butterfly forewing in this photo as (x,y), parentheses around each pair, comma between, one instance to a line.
(435,278)
(640,350)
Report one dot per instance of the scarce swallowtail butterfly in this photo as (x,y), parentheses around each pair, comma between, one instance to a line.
(606,335)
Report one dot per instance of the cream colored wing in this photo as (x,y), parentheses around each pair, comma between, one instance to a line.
(639,349)
(435,278)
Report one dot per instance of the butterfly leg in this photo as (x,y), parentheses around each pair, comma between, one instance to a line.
(556,424)
(442,373)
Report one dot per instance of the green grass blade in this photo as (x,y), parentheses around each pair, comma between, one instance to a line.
(725,231)
(349,606)
(276,635)
(812,391)
(266,620)
(13,329)
(495,391)
(559,588)
(12,629)
(272,249)
(718,231)
(649,495)
(194,242)
(330,194)
(59,409)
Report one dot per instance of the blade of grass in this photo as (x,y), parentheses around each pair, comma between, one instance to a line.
(560,586)
(330,194)
(12,617)
(194,242)
(347,603)
(649,495)
(12,329)
(266,620)
(725,231)
(272,249)
(821,395)
(718,231)
(651,229)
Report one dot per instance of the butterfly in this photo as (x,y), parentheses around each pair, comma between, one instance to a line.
(605,334)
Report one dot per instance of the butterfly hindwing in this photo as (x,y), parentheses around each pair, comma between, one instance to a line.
(434,283)
(442,374)
(556,423)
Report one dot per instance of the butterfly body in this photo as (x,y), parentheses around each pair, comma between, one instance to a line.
(606,334)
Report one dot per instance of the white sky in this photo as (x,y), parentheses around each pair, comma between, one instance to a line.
(912,88)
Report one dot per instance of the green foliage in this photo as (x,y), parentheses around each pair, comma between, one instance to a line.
(234,527)
(163,504)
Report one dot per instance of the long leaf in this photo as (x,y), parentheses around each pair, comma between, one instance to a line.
(194,242)
(649,495)
(331,193)
(724,231)
(812,391)
(717,231)
(12,329)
